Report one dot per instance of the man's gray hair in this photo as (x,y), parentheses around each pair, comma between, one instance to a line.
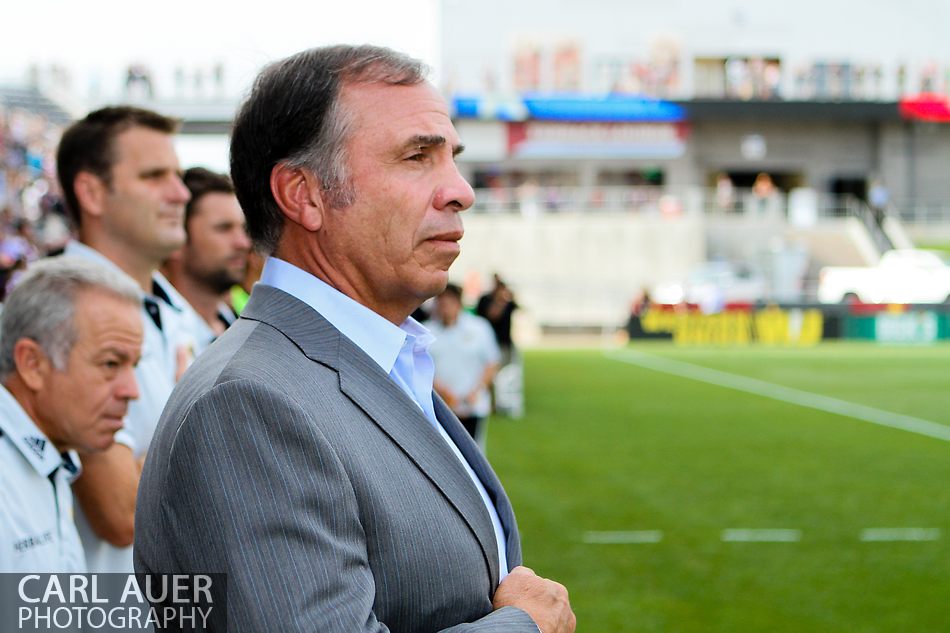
(294,115)
(42,306)
(326,154)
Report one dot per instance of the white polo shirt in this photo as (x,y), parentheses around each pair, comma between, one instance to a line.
(462,351)
(37,531)
(155,375)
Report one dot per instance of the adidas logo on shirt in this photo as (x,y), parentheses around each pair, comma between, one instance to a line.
(37,444)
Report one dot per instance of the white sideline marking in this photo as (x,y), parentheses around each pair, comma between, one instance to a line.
(745,535)
(877,535)
(623,538)
(785,394)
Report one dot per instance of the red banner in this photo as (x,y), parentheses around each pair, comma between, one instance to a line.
(933,108)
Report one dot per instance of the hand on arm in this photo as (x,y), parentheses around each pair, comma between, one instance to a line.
(488,375)
(184,356)
(106,491)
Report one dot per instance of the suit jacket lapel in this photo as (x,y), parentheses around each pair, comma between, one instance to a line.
(403,421)
(476,459)
(391,409)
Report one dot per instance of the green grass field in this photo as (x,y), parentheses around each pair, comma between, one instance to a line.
(611,446)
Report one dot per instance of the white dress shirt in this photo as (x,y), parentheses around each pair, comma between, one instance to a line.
(401,351)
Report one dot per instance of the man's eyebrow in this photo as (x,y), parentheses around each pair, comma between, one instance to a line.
(432,140)
(147,172)
(114,351)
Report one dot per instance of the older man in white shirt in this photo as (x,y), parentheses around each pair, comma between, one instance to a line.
(71,337)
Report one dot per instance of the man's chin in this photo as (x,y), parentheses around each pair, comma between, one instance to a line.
(222,281)
(96,445)
(439,282)
(168,245)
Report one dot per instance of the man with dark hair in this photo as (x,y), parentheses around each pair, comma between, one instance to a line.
(71,337)
(120,177)
(214,257)
(497,306)
(305,454)
(90,146)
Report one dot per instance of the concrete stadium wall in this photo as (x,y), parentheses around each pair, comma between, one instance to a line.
(573,269)
(816,151)
(914,159)
(929,232)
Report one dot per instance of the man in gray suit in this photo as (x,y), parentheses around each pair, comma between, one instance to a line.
(305,454)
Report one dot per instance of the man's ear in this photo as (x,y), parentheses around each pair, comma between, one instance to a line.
(90,192)
(299,195)
(32,364)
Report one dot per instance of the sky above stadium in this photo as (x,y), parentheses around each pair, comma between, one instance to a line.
(104,36)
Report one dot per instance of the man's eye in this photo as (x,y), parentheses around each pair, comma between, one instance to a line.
(416,157)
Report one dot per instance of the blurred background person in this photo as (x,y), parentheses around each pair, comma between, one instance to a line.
(71,337)
(120,177)
(725,193)
(241,291)
(497,306)
(214,257)
(878,199)
(466,359)
(765,194)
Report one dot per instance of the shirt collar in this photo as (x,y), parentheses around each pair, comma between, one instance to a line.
(379,338)
(35,447)
(164,290)
(161,287)
(418,334)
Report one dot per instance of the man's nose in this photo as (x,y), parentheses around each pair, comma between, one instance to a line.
(242,241)
(179,192)
(128,387)
(455,191)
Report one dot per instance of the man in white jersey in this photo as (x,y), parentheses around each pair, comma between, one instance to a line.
(71,337)
(121,180)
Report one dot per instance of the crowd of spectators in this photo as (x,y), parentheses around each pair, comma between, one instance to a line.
(33,221)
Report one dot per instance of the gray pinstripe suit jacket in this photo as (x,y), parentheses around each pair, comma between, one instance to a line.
(287,459)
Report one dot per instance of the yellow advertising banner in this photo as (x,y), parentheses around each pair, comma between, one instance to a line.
(769,326)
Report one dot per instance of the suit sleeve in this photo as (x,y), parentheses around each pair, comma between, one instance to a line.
(264,498)
(504,620)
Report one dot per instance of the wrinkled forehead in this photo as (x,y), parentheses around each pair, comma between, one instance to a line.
(99,313)
(417,109)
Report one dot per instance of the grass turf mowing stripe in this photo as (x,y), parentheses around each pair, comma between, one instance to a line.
(745,535)
(784,394)
(636,537)
(877,535)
